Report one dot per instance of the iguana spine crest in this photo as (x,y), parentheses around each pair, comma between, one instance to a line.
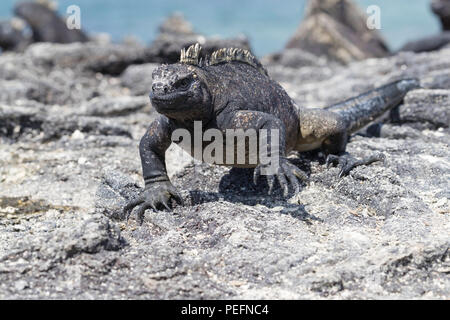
(225,55)
(191,55)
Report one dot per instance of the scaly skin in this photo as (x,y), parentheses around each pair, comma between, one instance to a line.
(238,95)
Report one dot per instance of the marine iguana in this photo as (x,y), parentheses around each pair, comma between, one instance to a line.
(232,90)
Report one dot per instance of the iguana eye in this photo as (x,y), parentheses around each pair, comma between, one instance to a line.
(183,83)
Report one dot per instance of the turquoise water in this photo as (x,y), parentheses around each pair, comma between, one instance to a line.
(268,23)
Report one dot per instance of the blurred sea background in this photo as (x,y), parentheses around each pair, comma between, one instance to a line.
(268,23)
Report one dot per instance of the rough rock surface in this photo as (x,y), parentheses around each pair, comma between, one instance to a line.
(69,161)
(103,58)
(337,30)
(295,58)
(138,78)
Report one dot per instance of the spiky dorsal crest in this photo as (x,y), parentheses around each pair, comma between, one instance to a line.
(192,56)
(226,55)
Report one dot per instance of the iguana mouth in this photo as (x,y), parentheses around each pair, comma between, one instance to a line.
(169,102)
(166,98)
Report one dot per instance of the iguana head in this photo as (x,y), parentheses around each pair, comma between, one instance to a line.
(178,92)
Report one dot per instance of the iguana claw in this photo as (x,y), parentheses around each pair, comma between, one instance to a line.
(347,163)
(286,174)
(154,196)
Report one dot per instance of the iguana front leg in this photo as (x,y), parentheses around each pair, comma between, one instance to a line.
(285,172)
(158,188)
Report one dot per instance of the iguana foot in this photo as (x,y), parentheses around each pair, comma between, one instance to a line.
(347,163)
(286,172)
(154,196)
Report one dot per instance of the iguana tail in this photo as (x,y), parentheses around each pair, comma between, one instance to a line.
(360,111)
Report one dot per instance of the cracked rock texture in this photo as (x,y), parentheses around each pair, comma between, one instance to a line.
(69,160)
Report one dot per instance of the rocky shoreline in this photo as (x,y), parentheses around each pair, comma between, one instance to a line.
(71,116)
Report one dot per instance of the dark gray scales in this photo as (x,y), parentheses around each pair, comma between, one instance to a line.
(232,90)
